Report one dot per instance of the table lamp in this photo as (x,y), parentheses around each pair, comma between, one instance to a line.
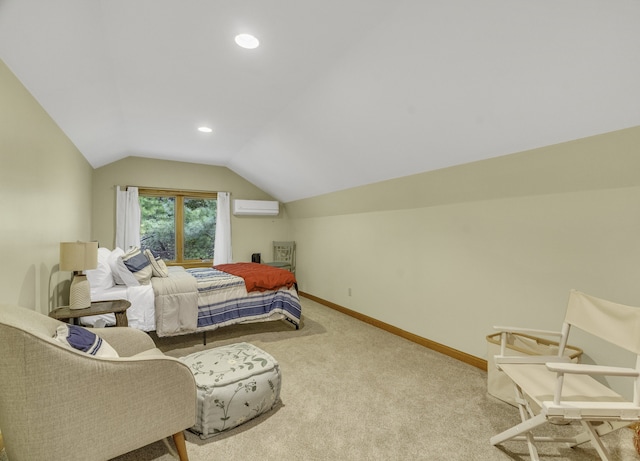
(78,257)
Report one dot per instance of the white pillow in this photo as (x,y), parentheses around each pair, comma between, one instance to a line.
(101,278)
(113,263)
(84,340)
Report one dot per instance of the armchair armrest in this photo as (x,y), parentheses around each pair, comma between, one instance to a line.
(503,357)
(584,369)
(507,329)
(532,359)
(126,341)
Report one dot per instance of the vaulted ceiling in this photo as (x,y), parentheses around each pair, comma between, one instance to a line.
(340,93)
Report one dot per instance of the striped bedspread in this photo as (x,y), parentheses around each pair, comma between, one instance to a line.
(223,300)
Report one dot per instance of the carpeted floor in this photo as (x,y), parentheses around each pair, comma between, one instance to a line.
(353,392)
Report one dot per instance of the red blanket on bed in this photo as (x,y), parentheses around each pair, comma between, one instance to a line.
(259,277)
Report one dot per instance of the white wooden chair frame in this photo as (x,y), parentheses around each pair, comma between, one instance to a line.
(565,391)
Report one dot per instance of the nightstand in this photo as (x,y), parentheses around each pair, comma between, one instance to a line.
(118,307)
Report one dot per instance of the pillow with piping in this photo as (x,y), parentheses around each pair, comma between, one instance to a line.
(86,341)
(158,266)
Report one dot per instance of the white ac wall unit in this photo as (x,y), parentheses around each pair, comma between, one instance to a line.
(255,208)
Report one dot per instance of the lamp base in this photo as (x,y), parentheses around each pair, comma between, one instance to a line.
(80,293)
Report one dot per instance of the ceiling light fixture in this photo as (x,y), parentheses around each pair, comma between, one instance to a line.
(205,129)
(247,41)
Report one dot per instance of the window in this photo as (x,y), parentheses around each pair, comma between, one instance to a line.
(179,226)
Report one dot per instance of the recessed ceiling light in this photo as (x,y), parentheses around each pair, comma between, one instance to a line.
(247,41)
(205,129)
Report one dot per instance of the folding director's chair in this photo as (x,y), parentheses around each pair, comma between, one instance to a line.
(568,392)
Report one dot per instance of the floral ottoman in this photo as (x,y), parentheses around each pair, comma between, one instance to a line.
(235,383)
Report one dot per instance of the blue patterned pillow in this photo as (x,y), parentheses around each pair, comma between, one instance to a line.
(84,340)
(135,263)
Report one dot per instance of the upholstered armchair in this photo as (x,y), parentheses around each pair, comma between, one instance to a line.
(57,402)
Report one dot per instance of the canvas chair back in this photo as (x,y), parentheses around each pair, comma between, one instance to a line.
(615,323)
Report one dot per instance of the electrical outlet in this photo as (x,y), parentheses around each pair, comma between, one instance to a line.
(349,291)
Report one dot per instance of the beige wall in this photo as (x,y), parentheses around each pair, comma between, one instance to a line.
(250,234)
(448,254)
(45,198)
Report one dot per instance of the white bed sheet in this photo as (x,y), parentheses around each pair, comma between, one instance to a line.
(140,315)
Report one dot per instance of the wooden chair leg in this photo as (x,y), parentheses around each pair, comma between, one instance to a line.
(181,446)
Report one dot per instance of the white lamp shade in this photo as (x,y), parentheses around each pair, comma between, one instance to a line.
(78,256)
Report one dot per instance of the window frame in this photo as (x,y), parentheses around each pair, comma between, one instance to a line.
(180,195)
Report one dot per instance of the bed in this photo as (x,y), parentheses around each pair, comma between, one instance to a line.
(204,299)
(187,301)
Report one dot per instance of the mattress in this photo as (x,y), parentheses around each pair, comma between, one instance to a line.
(140,315)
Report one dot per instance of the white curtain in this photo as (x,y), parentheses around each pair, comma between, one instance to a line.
(222,243)
(127,218)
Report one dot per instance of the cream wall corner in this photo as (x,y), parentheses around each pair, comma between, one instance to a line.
(45,198)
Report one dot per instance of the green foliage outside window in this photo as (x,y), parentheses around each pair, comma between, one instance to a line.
(192,239)
(199,228)
(157,226)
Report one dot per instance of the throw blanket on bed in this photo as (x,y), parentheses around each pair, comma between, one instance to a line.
(211,279)
(259,277)
(176,301)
